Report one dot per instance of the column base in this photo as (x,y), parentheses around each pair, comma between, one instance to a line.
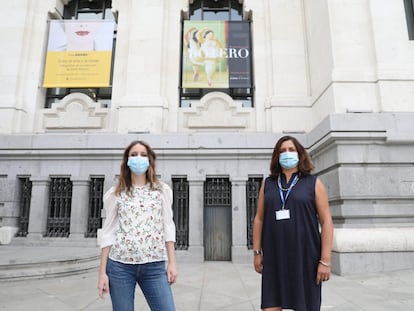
(194,254)
(7,234)
(372,250)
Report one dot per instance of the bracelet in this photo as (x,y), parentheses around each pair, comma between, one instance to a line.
(324,263)
(257,252)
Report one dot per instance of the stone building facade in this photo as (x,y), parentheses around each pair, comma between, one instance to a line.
(337,74)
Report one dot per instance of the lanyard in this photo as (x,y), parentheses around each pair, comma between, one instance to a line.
(282,197)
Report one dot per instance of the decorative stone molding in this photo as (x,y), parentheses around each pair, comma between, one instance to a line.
(217,110)
(75,111)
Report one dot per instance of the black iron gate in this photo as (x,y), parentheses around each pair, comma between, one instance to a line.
(181,211)
(25,197)
(252,196)
(60,203)
(217,219)
(95,206)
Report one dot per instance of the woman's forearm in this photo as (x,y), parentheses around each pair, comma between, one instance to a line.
(170,251)
(104,259)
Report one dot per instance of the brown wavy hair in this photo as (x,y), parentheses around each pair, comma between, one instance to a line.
(125,181)
(305,165)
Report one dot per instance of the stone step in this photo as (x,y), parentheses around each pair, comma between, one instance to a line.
(25,262)
(52,242)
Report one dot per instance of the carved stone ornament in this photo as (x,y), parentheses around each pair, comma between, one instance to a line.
(75,111)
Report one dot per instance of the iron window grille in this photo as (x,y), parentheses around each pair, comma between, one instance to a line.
(59,209)
(96,186)
(181,211)
(252,197)
(217,191)
(25,192)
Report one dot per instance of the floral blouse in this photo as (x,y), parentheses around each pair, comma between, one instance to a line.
(138,225)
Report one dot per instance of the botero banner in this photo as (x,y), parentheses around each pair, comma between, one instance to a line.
(216,54)
(79,54)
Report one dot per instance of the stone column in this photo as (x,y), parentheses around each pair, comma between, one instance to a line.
(196,225)
(10,209)
(128,101)
(79,208)
(239,219)
(38,207)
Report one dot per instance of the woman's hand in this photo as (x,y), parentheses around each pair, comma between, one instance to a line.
(103,285)
(258,263)
(257,232)
(172,273)
(323,274)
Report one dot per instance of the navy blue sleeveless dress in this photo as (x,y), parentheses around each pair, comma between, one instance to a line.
(291,247)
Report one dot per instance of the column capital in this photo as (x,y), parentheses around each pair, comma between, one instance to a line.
(240,179)
(39,179)
(195,179)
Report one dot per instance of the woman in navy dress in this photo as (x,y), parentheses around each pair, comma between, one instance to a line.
(293,232)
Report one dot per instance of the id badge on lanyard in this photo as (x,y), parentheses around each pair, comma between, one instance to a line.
(284,213)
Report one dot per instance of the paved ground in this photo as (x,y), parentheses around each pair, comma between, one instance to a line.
(206,287)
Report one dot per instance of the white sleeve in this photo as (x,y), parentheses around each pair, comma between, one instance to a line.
(111,221)
(167,212)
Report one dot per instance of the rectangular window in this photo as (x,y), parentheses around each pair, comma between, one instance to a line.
(216,53)
(96,186)
(252,197)
(59,209)
(216,10)
(181,211)
(217,192)
(25,193)
(87,9)
(89,68)
(409,15)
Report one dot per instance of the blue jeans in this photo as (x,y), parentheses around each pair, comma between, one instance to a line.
(151,277)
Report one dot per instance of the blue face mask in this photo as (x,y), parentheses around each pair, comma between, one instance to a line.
(288,159)
(138,165)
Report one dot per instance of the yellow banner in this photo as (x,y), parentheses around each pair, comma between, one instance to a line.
(77,69)
(79,54)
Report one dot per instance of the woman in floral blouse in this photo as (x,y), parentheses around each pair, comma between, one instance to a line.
(138,235)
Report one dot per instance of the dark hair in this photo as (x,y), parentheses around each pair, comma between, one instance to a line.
(207,32)
(124,180)
(305,165)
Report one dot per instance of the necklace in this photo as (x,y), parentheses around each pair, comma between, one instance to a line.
(295,181)
(284,198)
